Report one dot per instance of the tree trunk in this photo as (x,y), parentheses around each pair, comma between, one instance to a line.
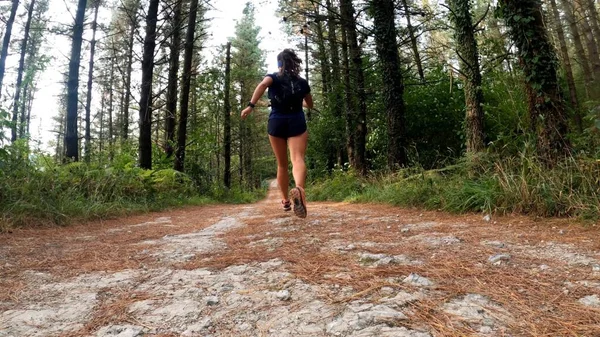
(564,50)
(185,88)
(347,11)
(468,54)
(173,76)
(24,99)
(576,36)
(88,102)
(127,97)
(336,101)
(6,40)
(71,138)
(393,83)
(413,41)
(227,122)
(538,60)
(323,59)
(15,116)
(588,35)
(350,102)
(110,110)
(593,17)
(145,143)
(101,131)
(29,105)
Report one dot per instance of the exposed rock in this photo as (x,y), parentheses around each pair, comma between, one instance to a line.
(590,301)
(284,295)
(499,258)
(418,280)
(120,331)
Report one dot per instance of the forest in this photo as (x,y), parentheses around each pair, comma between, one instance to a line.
(486,106)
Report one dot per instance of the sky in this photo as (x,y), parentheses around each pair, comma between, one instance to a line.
(50,84)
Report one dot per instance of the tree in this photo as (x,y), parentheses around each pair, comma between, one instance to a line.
(393,83)
(584,62)
(227,121)
(539,63)
(88,102)
(6,40)
(145,138)
(247,70)
(566,59)
(336,100)
(588,35)
(71,138)
(468,55)
(20,72)
(172,87)
(185,88)
(130,14)
(413,40)
(356,69)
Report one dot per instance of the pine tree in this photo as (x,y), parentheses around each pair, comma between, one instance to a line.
(468,55)
(247,70)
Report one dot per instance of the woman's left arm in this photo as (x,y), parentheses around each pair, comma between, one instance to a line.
(258,92)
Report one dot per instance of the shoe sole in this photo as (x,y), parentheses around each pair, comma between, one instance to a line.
(299,201)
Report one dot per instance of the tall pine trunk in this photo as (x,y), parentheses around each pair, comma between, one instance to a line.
(537,58)
(413,41)
(336,100)
(88,102)
(347,11)
(468,54)
(579,51)
(6,40)
(227,121)
(18,88)
(110,109)
(185,87)
(71,138)
(590,42)
(172,88)
(564,50)
(145,142)
(323,59)
(393,83)
(127,97)
(350,101)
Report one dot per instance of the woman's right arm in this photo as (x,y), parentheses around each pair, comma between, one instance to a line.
(258,92)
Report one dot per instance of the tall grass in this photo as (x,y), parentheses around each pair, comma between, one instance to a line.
(482,184)
(34,192)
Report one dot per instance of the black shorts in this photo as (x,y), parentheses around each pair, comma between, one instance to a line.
(287,127)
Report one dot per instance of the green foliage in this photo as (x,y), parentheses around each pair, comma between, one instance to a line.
(511,185)
(34,190)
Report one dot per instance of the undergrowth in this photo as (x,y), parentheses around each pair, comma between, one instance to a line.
(37,192)
(485,183)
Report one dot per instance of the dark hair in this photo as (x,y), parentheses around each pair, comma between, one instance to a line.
(289,63)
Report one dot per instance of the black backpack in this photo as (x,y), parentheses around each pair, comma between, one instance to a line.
(290,94)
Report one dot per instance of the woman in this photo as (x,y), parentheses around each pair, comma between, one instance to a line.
(288,93)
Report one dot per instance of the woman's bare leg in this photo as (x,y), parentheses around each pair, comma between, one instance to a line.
(279,146)
(297,147)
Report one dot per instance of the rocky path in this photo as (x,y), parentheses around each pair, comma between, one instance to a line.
(347,270)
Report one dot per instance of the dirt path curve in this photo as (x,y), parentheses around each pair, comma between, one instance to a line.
(347,270)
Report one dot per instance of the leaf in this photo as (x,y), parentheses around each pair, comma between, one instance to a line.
(597,123)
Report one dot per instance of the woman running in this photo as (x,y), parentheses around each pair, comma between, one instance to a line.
(288,93)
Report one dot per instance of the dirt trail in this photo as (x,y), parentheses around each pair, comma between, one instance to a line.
(347,270)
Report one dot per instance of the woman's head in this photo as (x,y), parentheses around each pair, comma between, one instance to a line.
(289,63)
